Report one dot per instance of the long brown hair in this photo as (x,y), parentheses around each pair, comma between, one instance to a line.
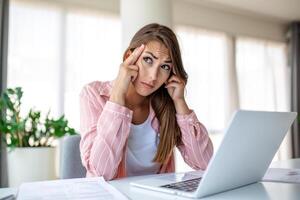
(160,100)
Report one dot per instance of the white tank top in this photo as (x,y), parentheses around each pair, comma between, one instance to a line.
(141,149)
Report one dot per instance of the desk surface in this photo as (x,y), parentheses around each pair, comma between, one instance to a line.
(265,190)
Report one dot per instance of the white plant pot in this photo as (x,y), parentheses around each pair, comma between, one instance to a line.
(30,164)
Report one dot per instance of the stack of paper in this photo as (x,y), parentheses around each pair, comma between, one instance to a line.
(282,175)
(82,188)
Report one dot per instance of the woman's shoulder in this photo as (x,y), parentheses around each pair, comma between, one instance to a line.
(97,88)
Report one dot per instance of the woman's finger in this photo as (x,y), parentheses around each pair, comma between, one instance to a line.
(172,84)
(134,55)
(133,71)
(133,67)
(133,74)
(175,79)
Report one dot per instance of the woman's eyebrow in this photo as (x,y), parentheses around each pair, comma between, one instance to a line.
(167,61)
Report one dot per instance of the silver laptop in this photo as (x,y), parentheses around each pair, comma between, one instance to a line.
(248,147)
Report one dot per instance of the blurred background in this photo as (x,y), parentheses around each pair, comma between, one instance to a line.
(238,55)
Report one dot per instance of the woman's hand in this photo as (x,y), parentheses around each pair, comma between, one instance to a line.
(128,72)
(175,87)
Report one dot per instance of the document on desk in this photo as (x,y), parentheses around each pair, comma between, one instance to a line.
(282,175)
(80,188)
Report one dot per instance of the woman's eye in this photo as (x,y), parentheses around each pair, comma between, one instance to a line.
(166,67)
(147,60)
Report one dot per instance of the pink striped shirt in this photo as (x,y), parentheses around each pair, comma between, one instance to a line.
(105,126)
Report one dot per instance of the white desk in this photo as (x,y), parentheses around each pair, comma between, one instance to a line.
(263,191)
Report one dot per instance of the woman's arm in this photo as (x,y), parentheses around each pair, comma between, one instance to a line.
(196,148)
(104,125)
(104,131)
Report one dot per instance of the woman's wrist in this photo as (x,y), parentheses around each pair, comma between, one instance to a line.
(116,98)
(181,107)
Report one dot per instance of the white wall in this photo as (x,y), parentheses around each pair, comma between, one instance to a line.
(204,16)
(234,24)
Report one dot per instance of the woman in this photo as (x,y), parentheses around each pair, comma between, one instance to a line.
(131,125)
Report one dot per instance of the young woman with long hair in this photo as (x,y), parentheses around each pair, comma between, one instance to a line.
(130,126)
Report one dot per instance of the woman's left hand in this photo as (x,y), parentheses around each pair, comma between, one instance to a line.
(175,87)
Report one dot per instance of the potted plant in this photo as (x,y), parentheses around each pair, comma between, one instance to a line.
(30,140)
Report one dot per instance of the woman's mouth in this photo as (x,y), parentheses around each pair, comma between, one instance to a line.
(146,85)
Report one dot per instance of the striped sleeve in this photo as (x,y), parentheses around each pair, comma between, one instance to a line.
(196,148)
(104,128)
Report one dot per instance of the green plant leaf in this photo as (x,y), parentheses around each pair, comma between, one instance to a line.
(16,128)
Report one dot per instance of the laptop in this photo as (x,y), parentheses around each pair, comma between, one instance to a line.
(247,149)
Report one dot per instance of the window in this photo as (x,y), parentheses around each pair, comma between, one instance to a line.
(203,54)
(264,79)
(93,52)
(263,75)
(54,50)
(204,58)
(33,55)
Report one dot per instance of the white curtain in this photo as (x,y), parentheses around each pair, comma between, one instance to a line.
(93,52)
(204,58)
(55,49)
(33,54)
(264,79)
(263,75)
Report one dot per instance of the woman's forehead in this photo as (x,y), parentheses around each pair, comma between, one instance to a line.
(158,49)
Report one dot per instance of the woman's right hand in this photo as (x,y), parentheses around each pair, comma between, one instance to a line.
(128,72)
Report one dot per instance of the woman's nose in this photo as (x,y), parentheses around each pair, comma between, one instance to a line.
(153,73)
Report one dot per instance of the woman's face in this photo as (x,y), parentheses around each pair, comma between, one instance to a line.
(155,67)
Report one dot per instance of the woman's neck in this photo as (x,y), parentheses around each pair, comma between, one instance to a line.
(134,100)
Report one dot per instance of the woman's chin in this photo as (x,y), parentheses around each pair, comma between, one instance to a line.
(143,92)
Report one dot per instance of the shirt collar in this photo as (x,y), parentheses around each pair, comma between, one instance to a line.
(106,91)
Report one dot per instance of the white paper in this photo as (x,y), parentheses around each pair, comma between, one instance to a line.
(282,175)
(81,188)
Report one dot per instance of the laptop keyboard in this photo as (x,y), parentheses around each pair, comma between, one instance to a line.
(187,186)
